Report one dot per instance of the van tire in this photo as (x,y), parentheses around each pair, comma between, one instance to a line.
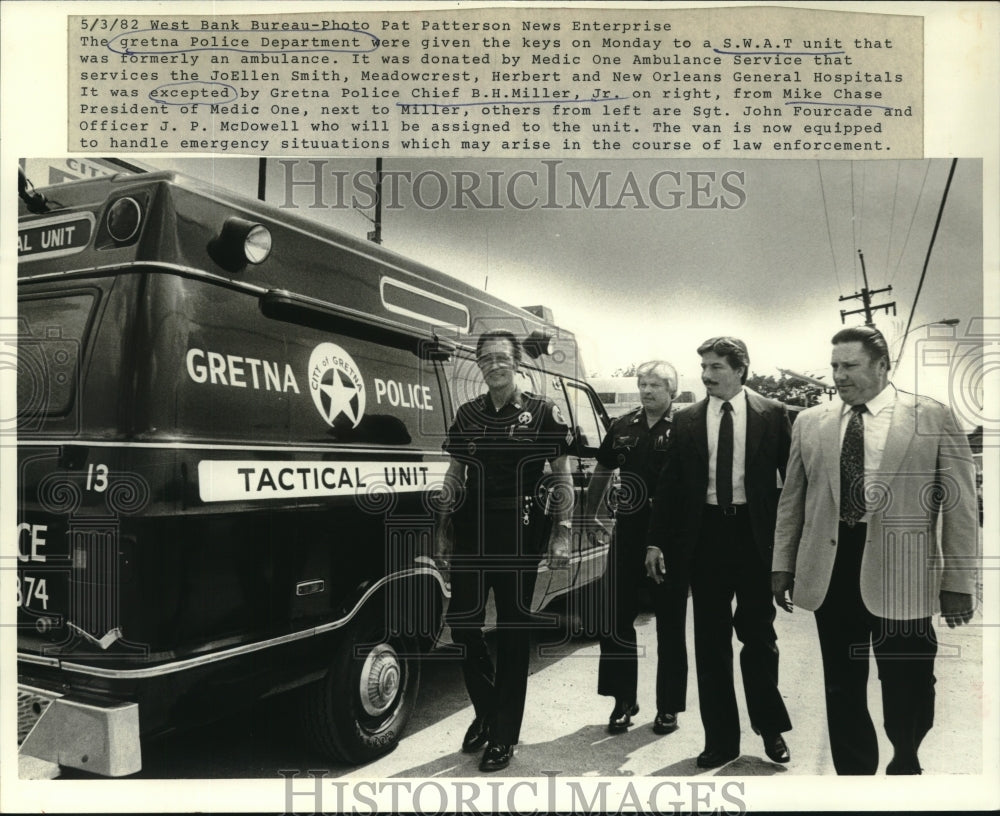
(359,710)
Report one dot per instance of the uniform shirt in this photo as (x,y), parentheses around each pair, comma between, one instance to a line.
(712,420)
(876,421)
(505,450)
(637,450)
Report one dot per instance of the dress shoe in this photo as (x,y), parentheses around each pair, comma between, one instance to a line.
(621,717)
(665,723)
(477,735)
(712,758)
(497,757)
(775,748)
(903,767)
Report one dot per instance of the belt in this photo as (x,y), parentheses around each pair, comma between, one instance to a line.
(730,511)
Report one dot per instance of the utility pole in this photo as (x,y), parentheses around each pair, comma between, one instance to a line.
(866,298)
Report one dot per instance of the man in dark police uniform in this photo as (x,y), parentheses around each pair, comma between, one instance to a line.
(636,445)
(496,498)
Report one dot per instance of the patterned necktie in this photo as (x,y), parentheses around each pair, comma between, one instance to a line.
(852,468)
(724,458)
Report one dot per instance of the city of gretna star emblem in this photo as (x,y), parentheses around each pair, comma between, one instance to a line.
(336,385)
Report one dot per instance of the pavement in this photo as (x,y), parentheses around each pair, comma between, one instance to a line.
(565,720)
(564,730)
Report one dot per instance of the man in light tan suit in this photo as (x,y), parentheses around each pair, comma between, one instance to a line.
(876,531)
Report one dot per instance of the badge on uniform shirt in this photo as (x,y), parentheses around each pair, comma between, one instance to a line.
(524,417)
(661,441)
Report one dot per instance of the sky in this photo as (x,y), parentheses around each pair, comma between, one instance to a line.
(643,281)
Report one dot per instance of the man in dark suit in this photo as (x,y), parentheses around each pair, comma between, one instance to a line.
(713,516)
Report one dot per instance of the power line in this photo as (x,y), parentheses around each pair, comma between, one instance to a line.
(892,220)
(930,247)
(913,217)
(826,213)
(854,225)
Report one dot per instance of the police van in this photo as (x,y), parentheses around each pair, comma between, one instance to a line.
(229,429)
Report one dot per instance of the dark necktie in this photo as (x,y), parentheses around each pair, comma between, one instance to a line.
(852,468)
(724,459)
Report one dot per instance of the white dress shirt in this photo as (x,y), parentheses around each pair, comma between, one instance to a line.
(713,420)
(876,421)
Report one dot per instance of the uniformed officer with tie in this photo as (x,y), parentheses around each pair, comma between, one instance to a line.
(496,497)
(636,446)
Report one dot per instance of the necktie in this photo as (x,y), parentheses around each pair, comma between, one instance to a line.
(724,459)
(852,468)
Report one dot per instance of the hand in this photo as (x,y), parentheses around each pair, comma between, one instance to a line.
(442,551)
(597,532)
(558,555)
(956,608)
(782,583)
(656,566)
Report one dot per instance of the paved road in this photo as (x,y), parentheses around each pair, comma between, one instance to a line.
(564,728)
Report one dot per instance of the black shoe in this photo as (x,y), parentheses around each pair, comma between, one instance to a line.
(712,758)
(477,735)
(621,717)
(775,748)
(898,767)
(497,757)
(665,723)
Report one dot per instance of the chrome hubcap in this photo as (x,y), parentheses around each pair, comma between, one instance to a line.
(380,678)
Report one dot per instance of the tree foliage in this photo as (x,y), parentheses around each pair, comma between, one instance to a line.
(787,389)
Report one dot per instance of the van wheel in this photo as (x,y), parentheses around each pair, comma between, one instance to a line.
(359,710)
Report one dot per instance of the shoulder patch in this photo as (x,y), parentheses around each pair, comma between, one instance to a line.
(557,415)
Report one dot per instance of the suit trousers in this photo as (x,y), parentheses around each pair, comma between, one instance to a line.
(727,565)
(904,653)
(497,691)
(618,670)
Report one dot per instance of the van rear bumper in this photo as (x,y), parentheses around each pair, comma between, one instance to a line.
(101,739)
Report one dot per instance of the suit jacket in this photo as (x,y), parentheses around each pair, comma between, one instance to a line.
(679,501)
(922,535)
